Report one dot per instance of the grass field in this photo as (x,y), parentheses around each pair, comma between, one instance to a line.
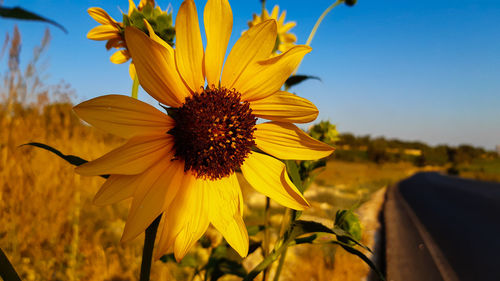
(481,169)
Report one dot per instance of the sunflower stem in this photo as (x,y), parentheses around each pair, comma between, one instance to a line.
(147,251)
(278,250)
(135,87)
(285,225)
(280,265)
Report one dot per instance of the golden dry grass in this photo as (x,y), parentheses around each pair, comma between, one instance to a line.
(49,228)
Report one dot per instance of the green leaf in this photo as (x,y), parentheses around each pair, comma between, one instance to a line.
(7,271)
(190,260)
(72,159)
(304,227)
(167,258)
(224,260)
(22,14)
(348,221)
(254,229)
(308,239)
(362,256)
(344,235)
(297,79)
(254,245)
(293,170)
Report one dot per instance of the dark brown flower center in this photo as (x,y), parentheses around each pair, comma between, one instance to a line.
(213,132)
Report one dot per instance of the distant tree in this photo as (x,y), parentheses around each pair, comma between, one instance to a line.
(433,156)
(466,153)
(363,140)
(347,139)
(377,151)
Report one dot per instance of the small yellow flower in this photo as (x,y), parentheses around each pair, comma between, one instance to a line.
(285,40)
(183,165)
(113,32)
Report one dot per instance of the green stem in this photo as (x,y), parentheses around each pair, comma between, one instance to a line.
(147,251)
(290,216)
(135,87)
(266,262)
(280,265)
(316,25)
(263,2)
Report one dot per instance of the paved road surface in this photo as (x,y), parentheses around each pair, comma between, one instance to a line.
(442,228)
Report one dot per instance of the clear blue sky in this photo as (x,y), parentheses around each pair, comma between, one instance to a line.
(415,70)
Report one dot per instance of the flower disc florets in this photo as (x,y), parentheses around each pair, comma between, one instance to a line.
(213,132)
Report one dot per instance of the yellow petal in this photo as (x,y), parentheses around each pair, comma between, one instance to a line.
(143,3)
(155,37)
(153,196)
(195,221)
(163,237)
(173,217)
(115,43)
(287,141)
(120,57)
(218,19)
(281,20)
(286,27)
(155,65)
(285,45)
(224,212)
(116,188)
(285,107)
(262,79)
(124,116)
(254,45)
(275,11)
(288,38)
(103,32)
(268,176)
(186,219)
(131,7)
(189,47)
(241,203)
(132,158)
(265,15)
(256,19)
(100,16)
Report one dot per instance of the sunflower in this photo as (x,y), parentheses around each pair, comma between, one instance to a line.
(113,32)
(183,165)
(285,40)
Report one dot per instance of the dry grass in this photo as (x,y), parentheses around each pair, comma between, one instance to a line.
(49,227)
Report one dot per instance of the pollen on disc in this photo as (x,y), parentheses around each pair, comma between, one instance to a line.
(213,132)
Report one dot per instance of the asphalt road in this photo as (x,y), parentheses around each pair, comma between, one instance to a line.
(442,228)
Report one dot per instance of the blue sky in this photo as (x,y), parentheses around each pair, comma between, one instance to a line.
(415,70)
